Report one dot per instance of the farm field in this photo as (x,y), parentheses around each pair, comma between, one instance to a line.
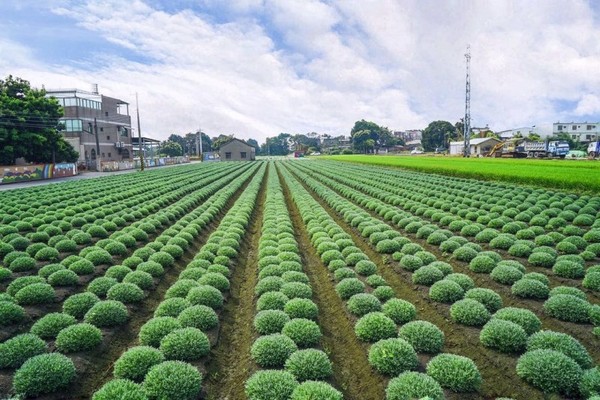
(290,280)
(578,175)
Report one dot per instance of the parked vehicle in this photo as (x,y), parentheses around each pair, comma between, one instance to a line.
(523,149)
(593,150)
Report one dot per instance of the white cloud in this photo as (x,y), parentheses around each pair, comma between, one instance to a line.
(308,65)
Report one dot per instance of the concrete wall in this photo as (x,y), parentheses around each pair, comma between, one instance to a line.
(26,173)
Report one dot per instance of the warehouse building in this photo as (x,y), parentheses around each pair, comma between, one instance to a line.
(237,150)
(479,146)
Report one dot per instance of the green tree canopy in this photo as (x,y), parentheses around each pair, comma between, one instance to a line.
(367,136)
(437,134)
(29,125)
(171,149)
(277,146)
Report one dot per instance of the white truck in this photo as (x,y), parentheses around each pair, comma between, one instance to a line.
(593,149)
(548,149)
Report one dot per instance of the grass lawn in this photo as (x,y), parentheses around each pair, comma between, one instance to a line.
(578,175)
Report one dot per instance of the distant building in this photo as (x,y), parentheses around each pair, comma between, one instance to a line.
(478,147)
(579,131)
(413,144)
(90,113)
(409,135)
(237,150)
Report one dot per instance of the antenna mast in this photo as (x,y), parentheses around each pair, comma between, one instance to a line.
(467,122)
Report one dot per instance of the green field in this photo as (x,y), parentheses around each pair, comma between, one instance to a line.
(582,176)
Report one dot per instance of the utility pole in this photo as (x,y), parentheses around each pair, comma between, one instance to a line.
(98,160)
(199,144)
(141,151)
(467,124)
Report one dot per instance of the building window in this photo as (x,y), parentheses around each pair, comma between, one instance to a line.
(574,127)
(106,113)
(109,154)
(228,155)
(101,129)
(559,127)
(72,125)
(243,154)
(107,137)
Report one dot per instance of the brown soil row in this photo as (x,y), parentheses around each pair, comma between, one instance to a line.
(230,364)
(352,372)
(497,369)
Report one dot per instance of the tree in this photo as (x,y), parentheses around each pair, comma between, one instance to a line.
(254,143)
(380,136)
(171,149)
(29,125)
(277,146)
(437,134)
(179,140)
(220,140)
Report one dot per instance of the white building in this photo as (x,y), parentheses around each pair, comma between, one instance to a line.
(579,131)
(479,146)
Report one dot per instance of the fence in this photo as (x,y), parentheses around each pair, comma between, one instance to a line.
(110,166)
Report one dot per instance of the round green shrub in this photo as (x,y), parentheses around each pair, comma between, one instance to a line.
(44,373)
(566,307)
(563,343)
(463,280)
(107,313)
(423,336)
(592,281)
(82,267)
(22,264)
(411,262)
(526,319)
(482,264)
(63,277)
(141,279)
(568,290)
(589,387)
(78,337)
(36,293)
(541,259)
(457,373)
(117,272)
(490,299)
(156,328)
(51,324)
(18,349)
(5,274)
(504,336)
(272,350)
(199,316)
(348,287)
(446,291)
(400,311)
(384,293)
(100,286)
(309,364)
(568,269)
(295,276)
(270,321)
(304,332)
(301,308)
(47,254)
(506,274)
(538,277)
(469,312)
(363,303)
(172,307)
(530,289)
(375,326)
(343,273)
(550,371)
(120,389)
(215,280)
(135,363)
(206,295)
(315,390)
(151,267)
(393,356)
(173,380)
(271,385)
(186,344)
(79,304)
(272,301)
(10,313)
(268,284)
(125,293)
(413,385)
(465,253)
(427,275)
(296,290)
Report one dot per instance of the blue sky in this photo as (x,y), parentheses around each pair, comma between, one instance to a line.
(255,68)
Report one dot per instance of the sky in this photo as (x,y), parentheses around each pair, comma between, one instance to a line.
(255,68)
